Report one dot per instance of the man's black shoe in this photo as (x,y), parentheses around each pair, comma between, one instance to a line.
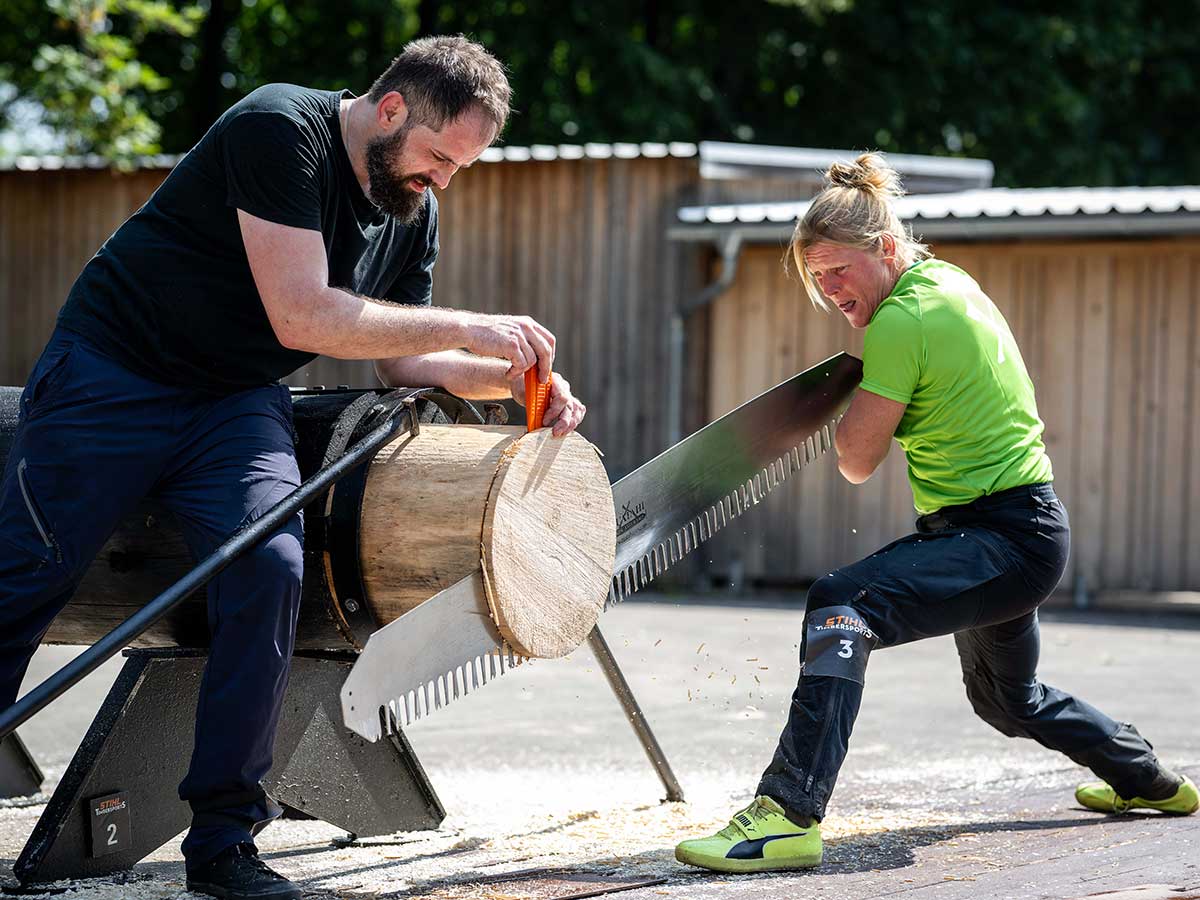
(236,873)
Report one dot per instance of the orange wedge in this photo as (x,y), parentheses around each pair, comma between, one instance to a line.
(537,395)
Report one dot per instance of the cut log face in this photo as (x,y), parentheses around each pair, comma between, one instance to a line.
(537,510)
(549,540)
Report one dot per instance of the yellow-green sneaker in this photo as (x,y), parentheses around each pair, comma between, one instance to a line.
(1098,795)
(759,838)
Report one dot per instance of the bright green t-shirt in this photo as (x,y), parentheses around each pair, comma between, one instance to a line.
(938,344)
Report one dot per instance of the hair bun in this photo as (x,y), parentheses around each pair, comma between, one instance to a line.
(867,173)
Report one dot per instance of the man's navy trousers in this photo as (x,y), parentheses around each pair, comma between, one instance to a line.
(92,440)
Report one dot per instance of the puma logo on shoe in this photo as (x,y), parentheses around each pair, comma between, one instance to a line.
(754,849)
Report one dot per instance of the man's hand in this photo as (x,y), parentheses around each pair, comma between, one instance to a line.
(519,339)
(564,412)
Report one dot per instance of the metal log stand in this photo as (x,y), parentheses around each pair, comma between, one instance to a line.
(20,775)
(117,801)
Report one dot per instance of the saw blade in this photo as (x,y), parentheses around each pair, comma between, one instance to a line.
(449,645)
(433,654)
(678,500)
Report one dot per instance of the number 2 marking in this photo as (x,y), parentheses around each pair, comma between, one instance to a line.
(112,834)
(847,650)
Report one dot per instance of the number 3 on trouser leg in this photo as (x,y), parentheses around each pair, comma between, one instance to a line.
(838,643)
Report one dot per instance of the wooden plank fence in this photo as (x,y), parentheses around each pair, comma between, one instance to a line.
(1110,332)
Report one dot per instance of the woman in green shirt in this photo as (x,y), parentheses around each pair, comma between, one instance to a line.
(943,376)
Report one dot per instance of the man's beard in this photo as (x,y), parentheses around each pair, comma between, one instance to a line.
(388,191)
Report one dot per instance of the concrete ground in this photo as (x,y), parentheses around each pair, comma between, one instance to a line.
(540,771)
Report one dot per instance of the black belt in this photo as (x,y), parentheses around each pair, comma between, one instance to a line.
(952,516)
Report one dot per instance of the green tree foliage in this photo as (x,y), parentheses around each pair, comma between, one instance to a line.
(87,79)
(246,43)
(1077,92)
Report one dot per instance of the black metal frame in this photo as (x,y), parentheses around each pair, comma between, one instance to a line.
(140,742)
(132,747)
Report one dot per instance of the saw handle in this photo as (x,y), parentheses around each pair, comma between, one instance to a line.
(537,396)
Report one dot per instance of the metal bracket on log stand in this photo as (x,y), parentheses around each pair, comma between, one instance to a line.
(118,800)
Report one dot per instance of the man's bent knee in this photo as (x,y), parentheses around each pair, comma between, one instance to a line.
(274,570)
(279,561)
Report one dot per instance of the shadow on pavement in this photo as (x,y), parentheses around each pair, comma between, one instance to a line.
(843,856)
(894,849)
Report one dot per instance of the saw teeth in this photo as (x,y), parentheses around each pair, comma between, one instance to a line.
(402,711)
(708,522)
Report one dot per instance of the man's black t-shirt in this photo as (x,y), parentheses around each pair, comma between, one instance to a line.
(170,294)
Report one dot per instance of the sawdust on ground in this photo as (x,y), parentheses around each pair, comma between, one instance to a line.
(630,838)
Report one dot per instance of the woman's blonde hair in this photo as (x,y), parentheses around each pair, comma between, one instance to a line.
(855,209)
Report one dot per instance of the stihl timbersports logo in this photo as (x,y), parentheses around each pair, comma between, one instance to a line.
(109,805)
(847,623)
(631,515)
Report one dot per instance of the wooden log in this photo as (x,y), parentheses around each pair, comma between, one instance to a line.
(535,511)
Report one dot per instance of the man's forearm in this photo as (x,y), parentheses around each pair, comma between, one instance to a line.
(463,374)
(339,324)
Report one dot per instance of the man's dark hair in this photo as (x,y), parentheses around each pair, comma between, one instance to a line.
(443,77)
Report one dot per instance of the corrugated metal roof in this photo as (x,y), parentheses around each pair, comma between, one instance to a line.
(991,212)
(720,159)
(541,152)
(536,152)
(74,163)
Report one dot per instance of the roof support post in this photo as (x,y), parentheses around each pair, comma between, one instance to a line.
(729,245)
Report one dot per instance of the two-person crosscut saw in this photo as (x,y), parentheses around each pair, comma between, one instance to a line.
(449,645)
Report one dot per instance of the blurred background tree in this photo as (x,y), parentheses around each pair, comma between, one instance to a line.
(73,65)
(1080,92)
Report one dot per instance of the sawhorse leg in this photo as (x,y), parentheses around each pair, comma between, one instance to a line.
(633,712)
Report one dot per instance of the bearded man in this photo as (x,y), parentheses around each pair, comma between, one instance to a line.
(301,224)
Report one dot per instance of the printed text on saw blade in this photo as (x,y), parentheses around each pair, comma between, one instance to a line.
(710,521)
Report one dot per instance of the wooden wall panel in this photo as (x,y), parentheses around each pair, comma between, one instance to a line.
(1089,496)
(1171,423)
(1189,479)
(1109,332)
(1058,307)
(1121,473)
(51,223)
